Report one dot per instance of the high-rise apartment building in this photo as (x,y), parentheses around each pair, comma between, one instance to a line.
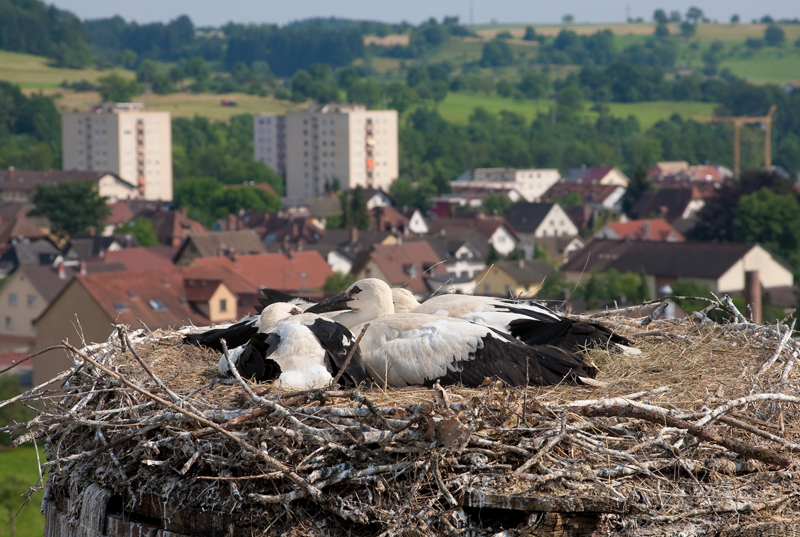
(342,141)
(124,139)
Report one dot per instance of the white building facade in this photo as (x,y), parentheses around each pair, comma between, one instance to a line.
(124,139)
(531,184)
(346,142)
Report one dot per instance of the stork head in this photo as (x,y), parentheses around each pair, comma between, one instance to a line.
(366,299)
(404,301)
(275,313)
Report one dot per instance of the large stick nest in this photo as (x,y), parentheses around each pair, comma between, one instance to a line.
(698,432)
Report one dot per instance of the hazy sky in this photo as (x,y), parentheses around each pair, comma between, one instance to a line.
(216,12)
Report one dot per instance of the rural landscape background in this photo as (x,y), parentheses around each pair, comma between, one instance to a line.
(523,95)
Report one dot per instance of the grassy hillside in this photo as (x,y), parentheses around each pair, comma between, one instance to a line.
(21,462)
(457,108)
(184,104)
(34,72)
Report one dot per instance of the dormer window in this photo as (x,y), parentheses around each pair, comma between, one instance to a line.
(157,305)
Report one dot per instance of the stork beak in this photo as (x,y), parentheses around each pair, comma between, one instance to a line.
(334,303)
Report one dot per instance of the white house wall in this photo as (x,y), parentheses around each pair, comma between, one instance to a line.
(556,224)
(770,272)
(502,241)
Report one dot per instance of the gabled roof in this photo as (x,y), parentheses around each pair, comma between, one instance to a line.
(293,229)
(41,252)
(403,261)
(14,179)
(656,229)
(342,241)
(669,203)
(83,247)
(18,227)
(174,226)
(595,174)
(157,298)
(214,243)
(590,193)
(526,217)
(446,247)
(387,218)
(290,273)
(485,225)
(135,259)
(120,213)
(705,260)
(46,279)
(533,271)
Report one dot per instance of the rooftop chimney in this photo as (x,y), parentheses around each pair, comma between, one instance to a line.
(646,230)
(521,263)
(83,269)
(353,234)
(62,272)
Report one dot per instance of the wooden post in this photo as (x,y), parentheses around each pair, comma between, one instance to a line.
(752,295)
(737,129)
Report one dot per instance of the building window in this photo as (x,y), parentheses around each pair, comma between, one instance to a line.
(9,323)
(223,305)
(157,305)
(31,301)
(12,299)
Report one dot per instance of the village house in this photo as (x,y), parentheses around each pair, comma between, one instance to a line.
(83,248)
(404,264)
(720,266)
(464,257)
(342,247)
(535,220)
(217,243)
(596,175)
(598,197)
(530,184)
(416,222)
(495,229)
(672,204)
(453,205)
(656,229)
(20,185)
(157,299)
(295,273)
(28,253)
(558,249)
(520,278)
(27,293)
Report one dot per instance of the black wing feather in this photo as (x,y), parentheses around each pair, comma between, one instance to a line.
(253,362)
(517,364)
(235,335)
(332,336)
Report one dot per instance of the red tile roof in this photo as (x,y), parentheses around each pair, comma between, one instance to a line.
(120,213)
(595,174)
(291,273)
(401,262)
(656,229)
(136,259)
(387,219)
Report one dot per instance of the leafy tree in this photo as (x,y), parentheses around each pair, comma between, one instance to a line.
(176,74)
(674,16)
(530,34)
(143,230)
(358,214)
(567,19)
(338,282)
(504,88)
(72,208)
(496,53)
(197,68)
(400,97)
(774,36)
(114,88)
(735,19)
(638,185)
(535,85)
(687,29)
(492,256)
(771,219)
(495,204)
(694,14)
(15,412)
(365,92)
(127,58)
(12,489)
(717,216)
(147,71)
(570,102)
(660,16)
(662,30)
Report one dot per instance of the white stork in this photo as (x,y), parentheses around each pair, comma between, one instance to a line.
(402,349)
(302,350)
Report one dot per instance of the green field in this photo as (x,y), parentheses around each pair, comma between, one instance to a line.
(183,104)
(22,463)
(457,108)
(33,72)
(767,66)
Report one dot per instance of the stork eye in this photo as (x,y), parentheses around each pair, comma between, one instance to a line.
(355,290)
(296,311)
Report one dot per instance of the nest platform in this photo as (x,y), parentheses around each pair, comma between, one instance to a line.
(697,435)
